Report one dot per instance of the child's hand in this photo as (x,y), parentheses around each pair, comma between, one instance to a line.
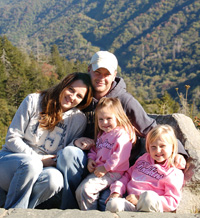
(100,171)
(84,143)
(91,165)
(180,161)
(133,199)
(113,195)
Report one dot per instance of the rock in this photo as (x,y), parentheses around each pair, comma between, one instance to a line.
(34,213)
(189,135)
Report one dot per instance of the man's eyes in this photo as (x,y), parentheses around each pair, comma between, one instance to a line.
(71,89)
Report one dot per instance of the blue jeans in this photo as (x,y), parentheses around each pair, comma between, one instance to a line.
(102,199)
(25,181)
(2,198)
(72,162)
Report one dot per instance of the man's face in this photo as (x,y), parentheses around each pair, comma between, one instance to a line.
(101,81)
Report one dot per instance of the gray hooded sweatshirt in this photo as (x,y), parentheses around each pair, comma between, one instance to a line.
(25,136)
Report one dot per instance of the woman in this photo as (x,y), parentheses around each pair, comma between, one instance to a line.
(43,125)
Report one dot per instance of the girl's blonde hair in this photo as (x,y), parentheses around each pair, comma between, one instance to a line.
(166,133)
(114,106)
(51,113)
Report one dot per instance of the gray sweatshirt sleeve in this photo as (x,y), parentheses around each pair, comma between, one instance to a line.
(138,117)
(77,127)
(15,136)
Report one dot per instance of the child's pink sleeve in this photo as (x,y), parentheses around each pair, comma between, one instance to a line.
(173,186)
(121,185)
(92,153)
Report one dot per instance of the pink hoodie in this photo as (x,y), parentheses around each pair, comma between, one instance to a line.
(112,150)
(145,175)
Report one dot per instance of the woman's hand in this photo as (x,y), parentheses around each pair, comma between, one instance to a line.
(179,162)
(84,143)
(49,160)
(133,199)
(91,165)
(113,195)
(100,171)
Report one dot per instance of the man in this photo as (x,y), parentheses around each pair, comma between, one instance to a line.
(103,71)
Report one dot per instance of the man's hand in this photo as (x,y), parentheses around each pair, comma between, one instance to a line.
(84,143)
(91,165)
(180,162)
(100,171)
(49,160)
(133,199)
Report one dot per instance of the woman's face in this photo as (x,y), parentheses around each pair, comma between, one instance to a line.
(72,95)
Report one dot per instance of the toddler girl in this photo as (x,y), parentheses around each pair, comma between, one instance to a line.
(109,159)
(153,184)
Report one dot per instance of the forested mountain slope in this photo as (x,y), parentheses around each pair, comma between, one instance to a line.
(157,42)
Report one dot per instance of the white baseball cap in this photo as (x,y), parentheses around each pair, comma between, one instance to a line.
(104,59)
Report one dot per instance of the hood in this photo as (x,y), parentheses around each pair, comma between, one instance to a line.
(118,88)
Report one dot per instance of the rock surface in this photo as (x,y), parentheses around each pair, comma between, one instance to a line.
(55,213)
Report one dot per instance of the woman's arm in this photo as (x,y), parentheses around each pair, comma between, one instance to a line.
(15,140)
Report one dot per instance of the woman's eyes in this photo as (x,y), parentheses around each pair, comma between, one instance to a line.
(73,91)
(80,96)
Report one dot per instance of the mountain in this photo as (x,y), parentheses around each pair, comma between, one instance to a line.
(157,42)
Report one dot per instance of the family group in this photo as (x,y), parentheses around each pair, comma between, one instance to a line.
(77,145)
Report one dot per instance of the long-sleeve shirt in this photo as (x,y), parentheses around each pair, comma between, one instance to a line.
(145,175)
(25,136)
(112,150)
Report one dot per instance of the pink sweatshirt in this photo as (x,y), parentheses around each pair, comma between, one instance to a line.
(112,150)
(145,175)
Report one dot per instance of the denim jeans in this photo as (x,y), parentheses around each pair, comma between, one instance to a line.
(2,198)
(25,181)
(72,162)
(102,199)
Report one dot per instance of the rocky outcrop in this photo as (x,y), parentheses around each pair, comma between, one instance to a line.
(189,135)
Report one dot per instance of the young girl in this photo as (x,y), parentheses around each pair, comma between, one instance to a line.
(107,162)
(153,183)
(44,124)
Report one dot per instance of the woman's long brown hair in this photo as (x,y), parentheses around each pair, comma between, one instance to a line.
(51,113)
